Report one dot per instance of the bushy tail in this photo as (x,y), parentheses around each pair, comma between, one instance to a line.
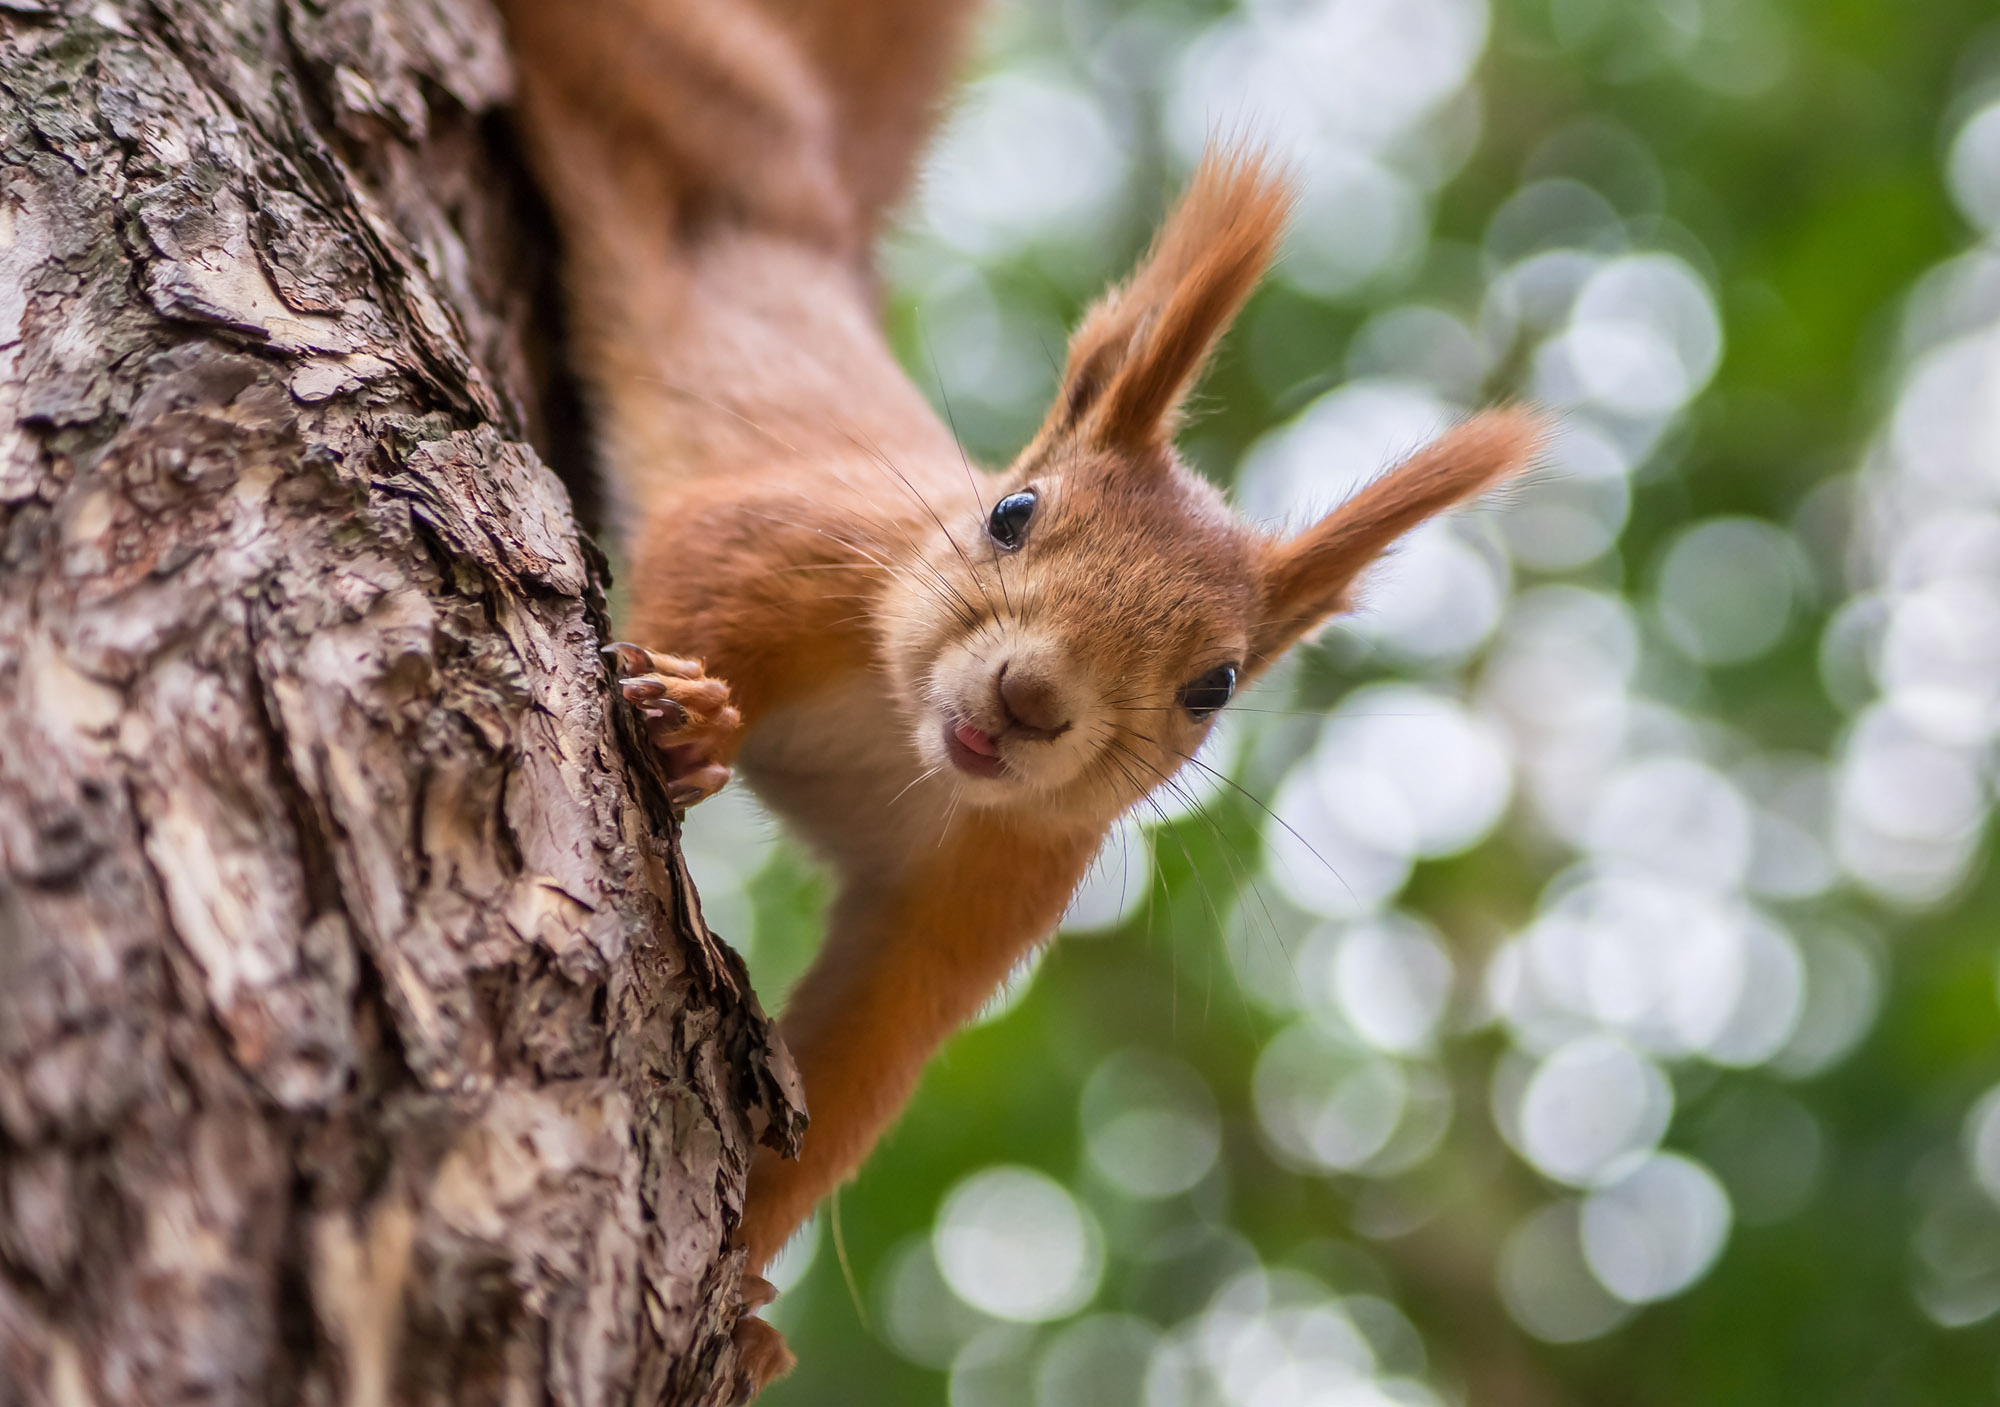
(717,168)
(799,117)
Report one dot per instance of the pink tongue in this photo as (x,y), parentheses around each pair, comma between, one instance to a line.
(975,740)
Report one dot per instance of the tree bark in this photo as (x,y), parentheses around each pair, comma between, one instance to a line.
(360,1037)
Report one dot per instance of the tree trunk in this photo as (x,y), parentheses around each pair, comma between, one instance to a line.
(360,1038)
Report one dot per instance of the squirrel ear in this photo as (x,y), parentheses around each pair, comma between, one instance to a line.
(1307,578)
(1140,347)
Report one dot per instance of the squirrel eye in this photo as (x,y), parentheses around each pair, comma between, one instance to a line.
(1210,692)
(1008,527)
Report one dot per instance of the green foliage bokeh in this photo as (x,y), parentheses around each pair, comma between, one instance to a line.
(1793,154)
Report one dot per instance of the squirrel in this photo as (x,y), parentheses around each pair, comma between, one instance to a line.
(950,682)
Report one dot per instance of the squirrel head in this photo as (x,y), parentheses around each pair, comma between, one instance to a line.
(1105,603)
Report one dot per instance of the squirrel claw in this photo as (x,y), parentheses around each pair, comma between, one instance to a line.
(757,1292)
(649,696)
(638,660)
(688,717)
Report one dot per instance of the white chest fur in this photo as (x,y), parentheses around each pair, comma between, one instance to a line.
(841,769)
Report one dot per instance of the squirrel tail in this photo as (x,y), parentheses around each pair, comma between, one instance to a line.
(795,117)
(718,169)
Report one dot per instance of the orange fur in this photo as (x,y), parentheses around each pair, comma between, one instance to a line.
(1139,348)
(1308,579)
(907,962)
(954,723)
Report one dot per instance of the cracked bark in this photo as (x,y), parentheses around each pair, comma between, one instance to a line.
(360,1038)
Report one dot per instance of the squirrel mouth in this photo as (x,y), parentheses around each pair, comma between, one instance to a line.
(971,751)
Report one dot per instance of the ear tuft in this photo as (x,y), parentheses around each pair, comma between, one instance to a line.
(1140,348)
(1308,578)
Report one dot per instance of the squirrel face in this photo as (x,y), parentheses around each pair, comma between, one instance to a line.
(1065,647)
(1098,615)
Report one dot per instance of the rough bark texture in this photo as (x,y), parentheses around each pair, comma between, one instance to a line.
(360,1038)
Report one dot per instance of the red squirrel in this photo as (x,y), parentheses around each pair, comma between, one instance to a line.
(950,682)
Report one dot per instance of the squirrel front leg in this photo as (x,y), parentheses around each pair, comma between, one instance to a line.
(906,962)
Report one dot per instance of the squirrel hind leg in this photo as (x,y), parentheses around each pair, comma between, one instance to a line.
(761,1357)
(688,716)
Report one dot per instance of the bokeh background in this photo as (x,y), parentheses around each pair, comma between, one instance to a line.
(1572,980)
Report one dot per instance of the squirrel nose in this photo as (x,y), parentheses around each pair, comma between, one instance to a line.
(1030,702)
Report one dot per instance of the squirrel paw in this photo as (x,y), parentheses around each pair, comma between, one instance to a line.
(688,717)
(761,1357)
